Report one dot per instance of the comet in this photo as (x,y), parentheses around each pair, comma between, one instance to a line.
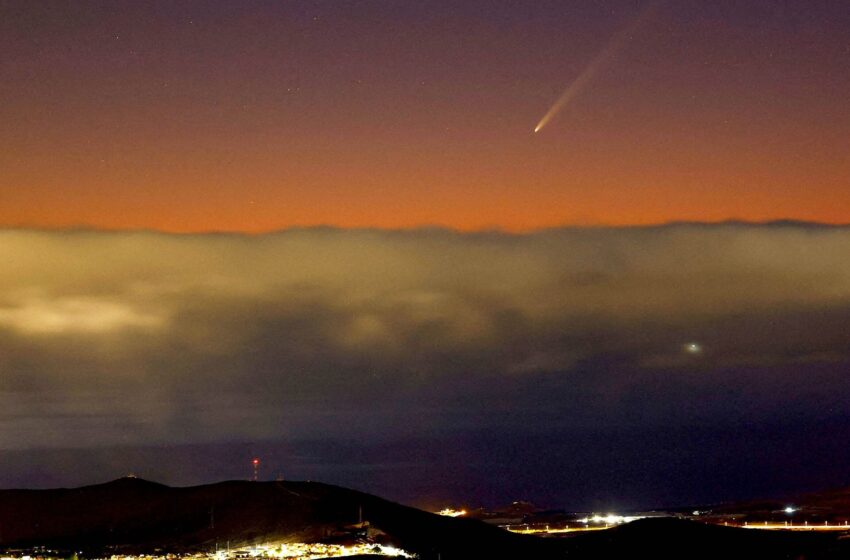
(599,62)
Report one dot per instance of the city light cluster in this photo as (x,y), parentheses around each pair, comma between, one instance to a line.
(449,512)
(610,519)
(310,551)
(282,551)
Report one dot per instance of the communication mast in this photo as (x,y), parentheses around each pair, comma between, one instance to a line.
(255,463)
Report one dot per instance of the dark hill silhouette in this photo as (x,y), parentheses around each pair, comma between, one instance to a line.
(135,515)
(131,515)
(831,505)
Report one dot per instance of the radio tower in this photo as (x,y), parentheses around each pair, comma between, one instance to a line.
(255,462)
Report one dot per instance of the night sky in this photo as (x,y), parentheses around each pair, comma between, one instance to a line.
(253,116)
(327,234)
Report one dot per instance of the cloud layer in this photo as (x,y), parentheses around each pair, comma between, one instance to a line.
(110,338)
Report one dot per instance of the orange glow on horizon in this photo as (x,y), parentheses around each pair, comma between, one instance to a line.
(211,127)
(463,209)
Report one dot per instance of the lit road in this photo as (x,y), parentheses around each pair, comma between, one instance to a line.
(790,527)
(766,525)
(555,530)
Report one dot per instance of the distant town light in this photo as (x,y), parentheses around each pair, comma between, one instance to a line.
(609,519)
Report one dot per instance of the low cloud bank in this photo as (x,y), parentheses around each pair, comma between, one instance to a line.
(109,338)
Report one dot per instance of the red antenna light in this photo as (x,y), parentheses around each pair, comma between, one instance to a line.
(256,464)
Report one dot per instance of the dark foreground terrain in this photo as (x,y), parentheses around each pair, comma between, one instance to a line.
(134,516)
(680,538)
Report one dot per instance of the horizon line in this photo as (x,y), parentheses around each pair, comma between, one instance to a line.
(734,222)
